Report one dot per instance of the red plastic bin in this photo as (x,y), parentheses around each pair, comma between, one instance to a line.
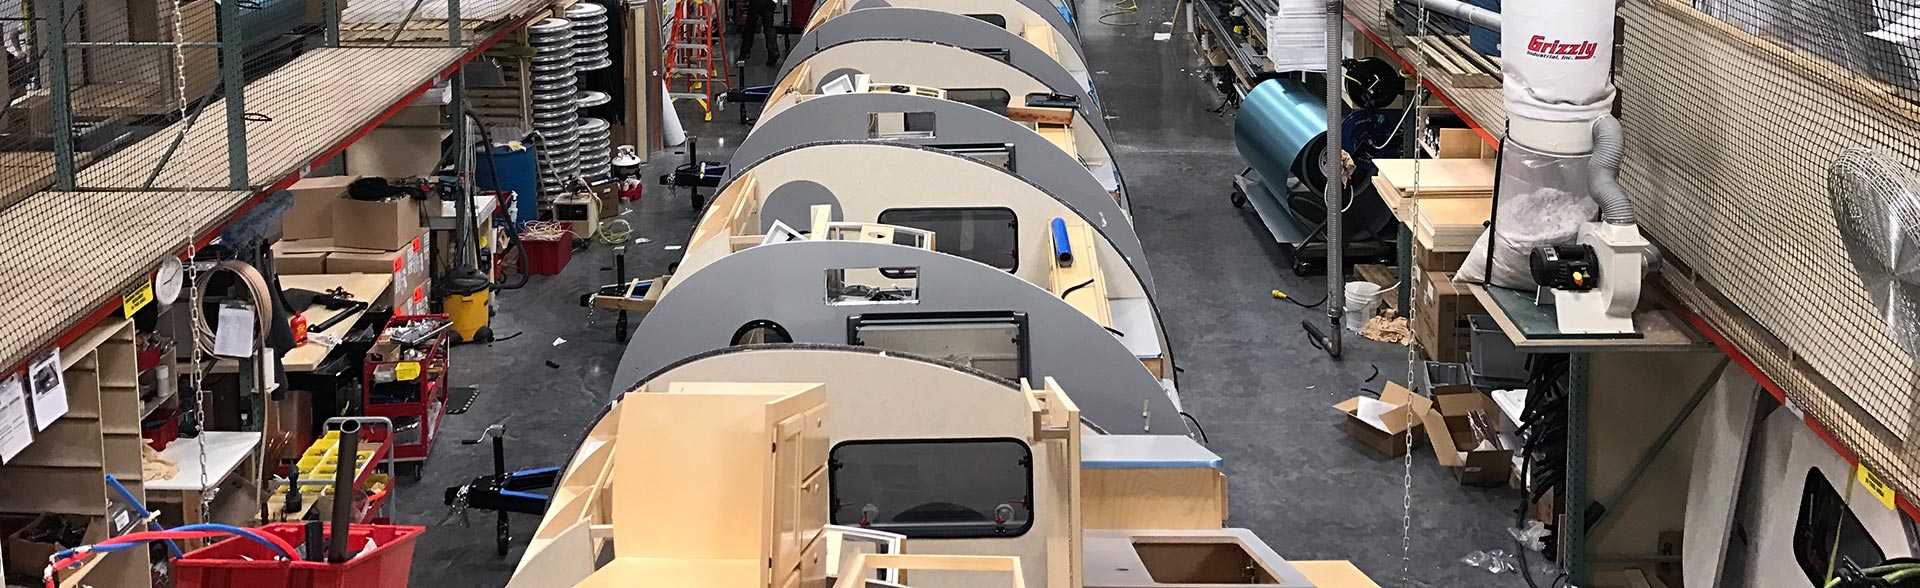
(223,564)
(546,257)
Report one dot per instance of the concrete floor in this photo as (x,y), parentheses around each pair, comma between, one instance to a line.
(1249,375)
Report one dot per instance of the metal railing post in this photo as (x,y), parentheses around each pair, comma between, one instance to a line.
(453,23)
(60,94)
(330,22)
(233,82)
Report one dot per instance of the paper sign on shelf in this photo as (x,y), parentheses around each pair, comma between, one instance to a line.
(1880,490)
(15,432)
(48,389)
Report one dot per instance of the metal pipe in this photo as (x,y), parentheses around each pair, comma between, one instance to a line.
(1473,15)
(346,468)
(1336,238)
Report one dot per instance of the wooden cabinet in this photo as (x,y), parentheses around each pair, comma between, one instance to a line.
(739,457)
(64,469)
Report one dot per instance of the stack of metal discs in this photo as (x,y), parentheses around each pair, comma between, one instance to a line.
(555,104)
(596,148)
(589,36)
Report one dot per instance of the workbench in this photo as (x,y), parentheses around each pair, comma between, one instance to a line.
(363,287)
(227,453)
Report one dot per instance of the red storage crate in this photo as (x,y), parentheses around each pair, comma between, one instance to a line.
(241,563)
(546,257)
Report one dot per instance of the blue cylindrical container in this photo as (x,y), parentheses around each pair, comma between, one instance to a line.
(1062,248)
(506,169)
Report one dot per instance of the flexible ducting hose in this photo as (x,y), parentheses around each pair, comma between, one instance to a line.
(257,288)
(1609,149)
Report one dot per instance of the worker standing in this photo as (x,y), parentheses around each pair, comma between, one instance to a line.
(759,20)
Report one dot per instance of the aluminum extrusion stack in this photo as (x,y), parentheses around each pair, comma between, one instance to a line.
(555,104)
(589,36)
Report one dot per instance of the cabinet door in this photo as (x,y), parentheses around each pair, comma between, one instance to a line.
(787,475)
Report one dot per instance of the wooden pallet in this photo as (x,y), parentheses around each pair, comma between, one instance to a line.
(1445,60)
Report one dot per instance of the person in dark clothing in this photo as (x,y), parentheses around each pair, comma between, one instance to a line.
(760,19)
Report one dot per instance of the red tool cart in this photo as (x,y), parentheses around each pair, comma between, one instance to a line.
(405,379)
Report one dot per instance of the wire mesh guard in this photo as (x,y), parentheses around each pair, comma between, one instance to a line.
(1735,112)
(129,130)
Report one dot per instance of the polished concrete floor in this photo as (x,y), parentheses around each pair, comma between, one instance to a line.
(1249,375)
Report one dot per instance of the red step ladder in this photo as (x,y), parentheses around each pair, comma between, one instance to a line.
(697,54)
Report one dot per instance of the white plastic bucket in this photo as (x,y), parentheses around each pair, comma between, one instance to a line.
(1363,301)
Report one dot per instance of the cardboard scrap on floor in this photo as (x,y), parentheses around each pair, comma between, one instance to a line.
(1387,328)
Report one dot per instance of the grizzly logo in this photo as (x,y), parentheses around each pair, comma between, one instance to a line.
(1557,49)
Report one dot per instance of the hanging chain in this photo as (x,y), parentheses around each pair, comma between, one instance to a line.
(192,276)
(194,371)
(1413,358)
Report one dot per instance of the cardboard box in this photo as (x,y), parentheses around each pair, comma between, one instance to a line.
(298,263)
(312,214)
(1395,426)
(29,558)
(385,226)
(408,265)
(1440,311)
(1457,445)
(1426,260)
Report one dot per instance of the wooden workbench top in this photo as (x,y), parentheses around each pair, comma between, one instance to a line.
(364,287)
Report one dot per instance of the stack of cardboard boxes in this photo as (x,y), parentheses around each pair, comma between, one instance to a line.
(327,233)
(1441,306)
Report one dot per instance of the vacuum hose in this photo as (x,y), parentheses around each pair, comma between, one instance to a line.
(1609,149)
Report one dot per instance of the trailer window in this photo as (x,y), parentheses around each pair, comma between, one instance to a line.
(987,235)
(948,488)
(1825,520)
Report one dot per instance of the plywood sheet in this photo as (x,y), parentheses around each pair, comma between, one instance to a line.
(1439,177)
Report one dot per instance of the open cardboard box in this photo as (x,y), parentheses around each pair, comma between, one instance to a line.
(1454,442)
(1390,434)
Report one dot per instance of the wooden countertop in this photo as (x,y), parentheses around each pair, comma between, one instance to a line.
(364,287)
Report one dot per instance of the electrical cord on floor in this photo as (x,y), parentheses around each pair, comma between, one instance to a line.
(1196,426)
(1120,8)
(1296,302)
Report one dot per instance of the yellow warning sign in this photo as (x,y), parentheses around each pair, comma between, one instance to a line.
(139,297)
(1874,486)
